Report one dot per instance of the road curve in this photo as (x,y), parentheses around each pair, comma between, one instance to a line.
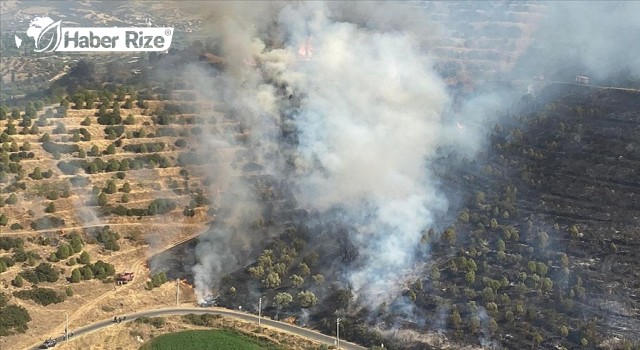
(299,331)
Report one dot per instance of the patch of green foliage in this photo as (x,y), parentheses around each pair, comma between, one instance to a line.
(206,339)
(42,296)
(13,318)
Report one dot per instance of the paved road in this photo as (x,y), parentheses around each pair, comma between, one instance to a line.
(303,332)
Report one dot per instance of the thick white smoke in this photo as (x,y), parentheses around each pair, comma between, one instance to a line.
(371,117)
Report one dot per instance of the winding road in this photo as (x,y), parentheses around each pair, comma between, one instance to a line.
(282,326)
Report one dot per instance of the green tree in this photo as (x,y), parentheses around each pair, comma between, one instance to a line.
(282,300)
(547,284)
(111,187)
(87,273)
(543,239)
(455,319)
(12,199)
(4,220)
(79,103)
(296,280)
(488,295)
(304,269)
(501,245)
(51,208)
(564,331)
(63,252)
(318,279)
(69,291)
(102,200)
(153,210)
(449,237)
(494,224)
(18,281)
(76,244)
(532,266)
(86,122)
(272,280)
(307,299)
(76,276)
(470,277)
(37,174)
(84,258)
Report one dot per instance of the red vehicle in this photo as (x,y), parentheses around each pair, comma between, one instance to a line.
(124,278)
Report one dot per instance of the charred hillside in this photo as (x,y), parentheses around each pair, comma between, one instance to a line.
(544,250)
(541,252)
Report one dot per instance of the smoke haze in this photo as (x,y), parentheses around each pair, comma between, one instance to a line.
(370,114)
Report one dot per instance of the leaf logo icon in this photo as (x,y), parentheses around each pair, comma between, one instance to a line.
(46,33)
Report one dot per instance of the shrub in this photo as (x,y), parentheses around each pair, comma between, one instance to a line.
(8,243)
(84,258)
(42,296)
(47,222)
(18,281)
(13,318)
(51,208)
(44,272)
(157,280)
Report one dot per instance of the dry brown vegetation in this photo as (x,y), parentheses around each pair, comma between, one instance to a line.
(140,236)
(132,335)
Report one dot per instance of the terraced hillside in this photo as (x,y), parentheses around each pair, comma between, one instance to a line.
(89,189)
(481,40)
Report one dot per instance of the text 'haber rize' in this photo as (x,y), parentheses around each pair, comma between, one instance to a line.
(133,40)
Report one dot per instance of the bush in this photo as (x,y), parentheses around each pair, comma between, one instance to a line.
(100,270)
(47,222)
(42,296)
(13,318)
(18,281)
(51,208)
(157,280)
(84,258)
(76,276)
(200,320)
(86,122)
(12,199)
(180,143)
(8,243)
(44,272)
(157,322)
(64,251)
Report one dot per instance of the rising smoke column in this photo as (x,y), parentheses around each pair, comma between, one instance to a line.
(370,119)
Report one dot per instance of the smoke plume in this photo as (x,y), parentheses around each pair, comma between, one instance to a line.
(371,116)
